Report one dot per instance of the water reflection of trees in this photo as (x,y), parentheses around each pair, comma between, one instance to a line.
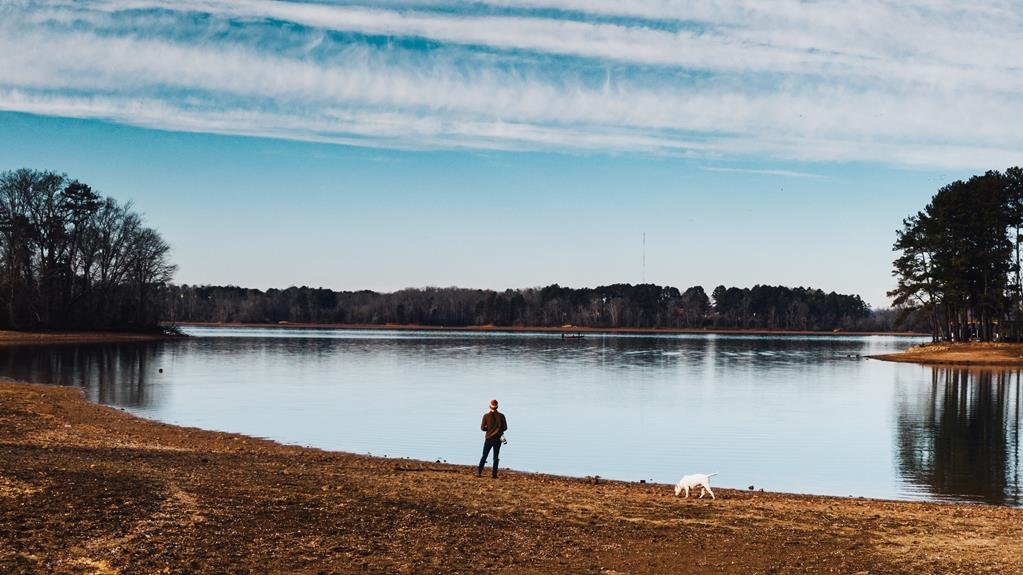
(112,374)
(960,437)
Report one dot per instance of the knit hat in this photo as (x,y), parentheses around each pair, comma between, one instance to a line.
(493,404)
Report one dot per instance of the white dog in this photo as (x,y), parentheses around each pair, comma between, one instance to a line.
(693,481)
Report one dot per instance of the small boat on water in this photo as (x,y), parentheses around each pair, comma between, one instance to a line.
(571,336)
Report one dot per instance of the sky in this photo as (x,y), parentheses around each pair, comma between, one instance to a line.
(515,143)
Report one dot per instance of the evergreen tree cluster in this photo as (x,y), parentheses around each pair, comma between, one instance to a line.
(612,306)
(73,259)
(959,259)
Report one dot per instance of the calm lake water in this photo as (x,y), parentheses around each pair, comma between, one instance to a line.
(797,414)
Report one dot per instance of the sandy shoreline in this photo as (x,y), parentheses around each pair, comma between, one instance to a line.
(975,354)
(8,337)
(567,329)
(89,489)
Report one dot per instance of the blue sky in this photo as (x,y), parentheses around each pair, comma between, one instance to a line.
(512,143)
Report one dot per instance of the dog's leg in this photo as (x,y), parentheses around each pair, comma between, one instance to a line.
(703,491)
(687,492)
(711,492)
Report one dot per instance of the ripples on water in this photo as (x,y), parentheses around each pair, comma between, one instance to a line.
(802,414)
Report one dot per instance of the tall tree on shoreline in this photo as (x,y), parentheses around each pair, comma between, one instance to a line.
(959,258)
(72,259)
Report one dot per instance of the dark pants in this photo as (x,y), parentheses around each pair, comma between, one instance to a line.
(489,444)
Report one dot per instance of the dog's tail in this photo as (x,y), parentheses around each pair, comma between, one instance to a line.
(712,474)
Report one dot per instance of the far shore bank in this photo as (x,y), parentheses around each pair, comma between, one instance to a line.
(86,488)
(975,354)
(13,338)
(565,329)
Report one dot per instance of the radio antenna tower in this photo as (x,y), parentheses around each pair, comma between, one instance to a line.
(644,257)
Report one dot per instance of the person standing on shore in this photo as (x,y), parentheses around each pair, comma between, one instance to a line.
(494,425)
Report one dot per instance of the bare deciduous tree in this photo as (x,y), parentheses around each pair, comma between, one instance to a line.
(72,259)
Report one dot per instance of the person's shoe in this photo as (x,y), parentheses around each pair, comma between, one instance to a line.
(479,473)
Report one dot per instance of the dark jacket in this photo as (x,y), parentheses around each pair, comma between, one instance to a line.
(494,424)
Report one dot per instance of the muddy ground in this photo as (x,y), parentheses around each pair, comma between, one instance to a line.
(22,338)
(89,489)
(977,354)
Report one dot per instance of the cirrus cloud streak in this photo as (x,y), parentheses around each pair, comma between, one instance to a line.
(722,86)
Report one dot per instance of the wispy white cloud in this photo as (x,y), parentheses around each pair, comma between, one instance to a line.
(898,46)
(796,82)
(364,128)
(763,172)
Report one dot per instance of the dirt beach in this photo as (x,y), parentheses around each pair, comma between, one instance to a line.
(8,337)
(968,354)
(89,489)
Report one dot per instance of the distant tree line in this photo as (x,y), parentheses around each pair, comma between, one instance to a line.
(73,259)
(612,306)
(959,261)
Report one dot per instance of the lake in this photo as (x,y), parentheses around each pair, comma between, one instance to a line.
(805,414)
